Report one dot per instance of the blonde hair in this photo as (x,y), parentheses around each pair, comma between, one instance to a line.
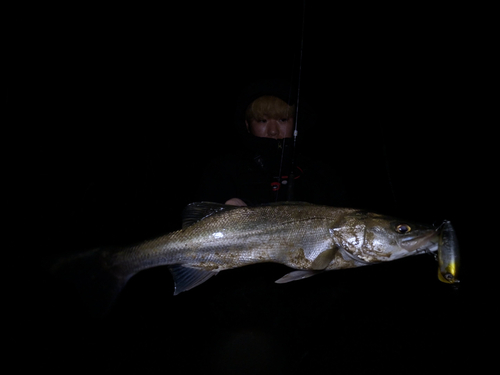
(269,106)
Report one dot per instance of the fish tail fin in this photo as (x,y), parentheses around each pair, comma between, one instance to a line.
(91,278)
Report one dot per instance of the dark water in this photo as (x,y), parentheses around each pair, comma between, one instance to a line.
(133,106)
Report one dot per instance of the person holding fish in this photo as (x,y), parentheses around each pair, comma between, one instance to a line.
(269,168)
(246,215)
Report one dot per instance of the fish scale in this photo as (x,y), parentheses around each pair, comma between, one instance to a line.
(277,236)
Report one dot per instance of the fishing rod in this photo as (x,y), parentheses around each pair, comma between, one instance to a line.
(291,179)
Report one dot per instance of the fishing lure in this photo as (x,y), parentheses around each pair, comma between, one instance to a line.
(448,254)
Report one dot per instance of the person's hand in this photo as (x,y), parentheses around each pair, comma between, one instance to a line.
(235,202)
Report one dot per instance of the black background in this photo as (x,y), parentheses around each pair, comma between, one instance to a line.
(117,110)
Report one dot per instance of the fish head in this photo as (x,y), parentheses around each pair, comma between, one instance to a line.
(370,238)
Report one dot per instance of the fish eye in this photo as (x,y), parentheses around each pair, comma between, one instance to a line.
(403,228)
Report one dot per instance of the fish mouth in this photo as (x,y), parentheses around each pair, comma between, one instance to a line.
(427,240)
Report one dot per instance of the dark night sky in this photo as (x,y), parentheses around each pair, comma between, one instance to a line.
(136,99)
(129,104)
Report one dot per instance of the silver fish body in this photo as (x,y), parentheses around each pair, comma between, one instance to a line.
(302,236)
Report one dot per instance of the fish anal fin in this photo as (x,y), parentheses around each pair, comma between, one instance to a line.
(197,211)
(296,275)
(186,278)
(324,259)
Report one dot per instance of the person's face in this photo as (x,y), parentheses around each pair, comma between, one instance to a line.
(271,128)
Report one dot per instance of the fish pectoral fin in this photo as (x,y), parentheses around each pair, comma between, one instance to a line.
(324,259)
(186,278)
(296,275)
(350,257)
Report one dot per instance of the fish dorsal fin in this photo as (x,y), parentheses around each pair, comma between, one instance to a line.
(187,278)
(197,211)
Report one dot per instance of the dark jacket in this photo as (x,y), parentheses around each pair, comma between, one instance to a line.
(236,176)
(268,170)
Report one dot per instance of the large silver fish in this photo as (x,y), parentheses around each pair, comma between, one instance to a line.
(308,238)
